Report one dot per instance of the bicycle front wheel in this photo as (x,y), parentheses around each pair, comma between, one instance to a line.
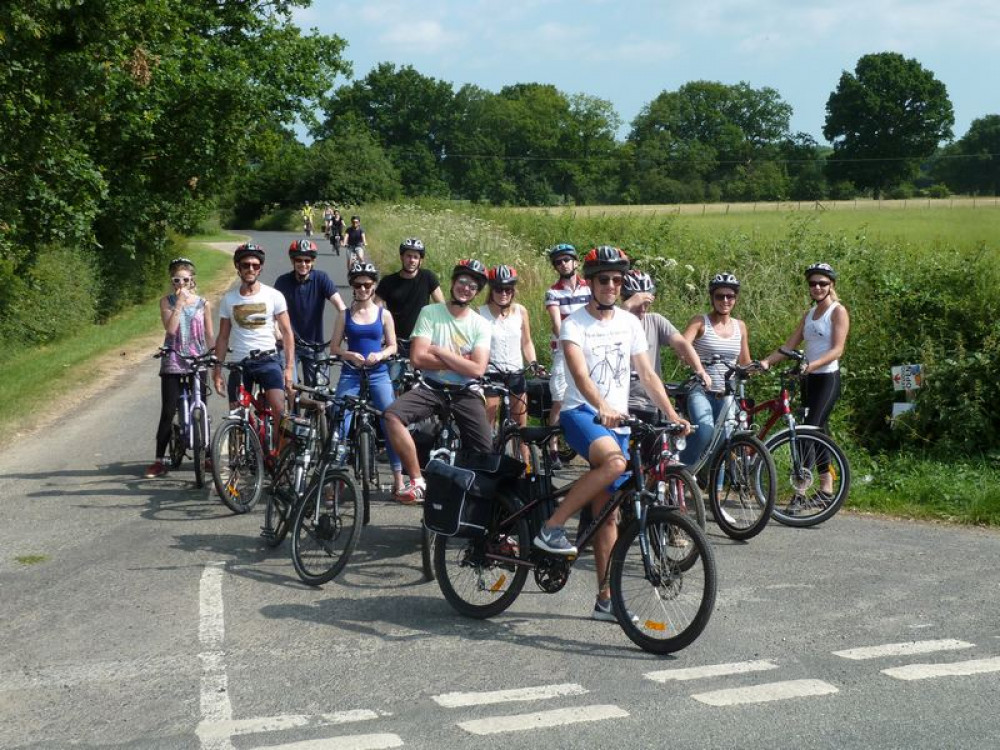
(427,538)
(366,468)
(176,446)
(198,440)
(663,600)
(801,466)
(473,582)
(237,465)
(326,528)
(742,486)
(280,498)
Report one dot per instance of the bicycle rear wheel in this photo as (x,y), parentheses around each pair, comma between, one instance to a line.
(681,494)
(280,498)
(665,607)
(799,499)
(475,585)
(742,486)
(326,528)
(198,440)
(427,538)
(237,465)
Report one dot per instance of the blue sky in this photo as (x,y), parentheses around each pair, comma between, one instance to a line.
(628,52)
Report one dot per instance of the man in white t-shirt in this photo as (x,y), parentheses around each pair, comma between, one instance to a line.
(601,344)
(248,315)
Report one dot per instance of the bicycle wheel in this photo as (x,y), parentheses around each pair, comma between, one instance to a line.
(475,585)
(681,493)
(176,446)
(237,465)
(280,498)
(199,450)
(799,500)
(326,528)
(665,607)
(427,538)
(365,462)
(741,486)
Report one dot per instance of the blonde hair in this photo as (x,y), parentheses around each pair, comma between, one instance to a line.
(183,265)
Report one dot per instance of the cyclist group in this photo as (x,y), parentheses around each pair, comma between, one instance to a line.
(598,349)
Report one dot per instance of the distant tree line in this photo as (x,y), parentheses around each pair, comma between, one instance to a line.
(396,132)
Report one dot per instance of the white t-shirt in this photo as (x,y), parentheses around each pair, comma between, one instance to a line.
(608,347)
(252,319)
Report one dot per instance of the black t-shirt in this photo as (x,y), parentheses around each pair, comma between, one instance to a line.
(405,298)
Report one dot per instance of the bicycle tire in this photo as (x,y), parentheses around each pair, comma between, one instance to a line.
(363,460)
(237,465)
(742,486)
(477,587)
(683,494)
(427,538)
(198,445)
(280,498)
(801,485)
(672,604)
(326,528)
(176,446)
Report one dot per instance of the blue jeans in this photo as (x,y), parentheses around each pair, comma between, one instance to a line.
(703,410)
(312,374)
(382,395)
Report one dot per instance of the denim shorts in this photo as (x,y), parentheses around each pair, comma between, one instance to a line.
(581,431)
(267,371)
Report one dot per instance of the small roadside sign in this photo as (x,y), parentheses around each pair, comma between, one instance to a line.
(907,377)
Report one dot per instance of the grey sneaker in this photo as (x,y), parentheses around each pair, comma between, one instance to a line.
(604,612)
(554,540)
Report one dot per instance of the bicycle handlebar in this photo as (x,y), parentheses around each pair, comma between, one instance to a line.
(645,428)
(197,361)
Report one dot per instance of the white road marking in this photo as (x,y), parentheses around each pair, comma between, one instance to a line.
(542,719)
(215,705)
(773,691)
(711,670)
(349,742)
(954,669)
(903,649)
(281,723)
(542,692)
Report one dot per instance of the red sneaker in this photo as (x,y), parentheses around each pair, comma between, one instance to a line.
(155,469)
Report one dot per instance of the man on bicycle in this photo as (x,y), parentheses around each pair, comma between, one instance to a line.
(307,219)
(306,291)
(336,231)
(451,345)
(356,241)
(601,344)
(248,314)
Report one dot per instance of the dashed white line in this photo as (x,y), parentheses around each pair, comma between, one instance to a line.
(711,670)
(773,691)
(954,669)
(908,648)
(215,705)
(542,719)
(348,742)
(542,692)
(281,723)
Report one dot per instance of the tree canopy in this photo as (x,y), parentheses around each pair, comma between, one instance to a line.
(972,163)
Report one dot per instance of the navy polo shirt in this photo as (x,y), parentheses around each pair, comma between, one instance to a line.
(306,302)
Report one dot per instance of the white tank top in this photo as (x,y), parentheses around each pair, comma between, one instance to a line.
(505,339)
(711,346)
(818,335)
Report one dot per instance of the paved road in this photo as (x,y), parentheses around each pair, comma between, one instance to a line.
(143,614)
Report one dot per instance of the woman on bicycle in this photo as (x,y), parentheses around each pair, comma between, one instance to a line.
(824,329)
(720,340)
(187,319)
(365,337)
(510,343)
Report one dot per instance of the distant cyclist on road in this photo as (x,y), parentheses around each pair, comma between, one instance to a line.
(187,319)
(307,290)
(307,219)
(248,315)
(356,241)
(601,344)
(336,231)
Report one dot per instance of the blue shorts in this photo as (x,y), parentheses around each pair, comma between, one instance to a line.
(581,431)
(267,371)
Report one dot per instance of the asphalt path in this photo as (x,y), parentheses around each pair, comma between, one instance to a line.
(142,613)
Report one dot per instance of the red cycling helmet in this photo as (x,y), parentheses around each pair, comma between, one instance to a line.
(471,267)
(501,276)
(300,248)
(248,249)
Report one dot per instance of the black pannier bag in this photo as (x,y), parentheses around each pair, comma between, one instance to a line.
(459,499)
(539,398)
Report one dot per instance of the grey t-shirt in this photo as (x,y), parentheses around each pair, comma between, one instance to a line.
(658,332)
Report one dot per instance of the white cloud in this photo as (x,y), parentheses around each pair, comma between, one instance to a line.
(425,36)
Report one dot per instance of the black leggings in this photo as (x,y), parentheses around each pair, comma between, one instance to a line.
(170,397)
(820,391)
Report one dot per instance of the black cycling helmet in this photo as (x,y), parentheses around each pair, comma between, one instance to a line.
(181,262)
(248,249)
(412,243)
(724,280)
(502,276)
(637,281)
(362,269)
(605,258)
(561,249)
(298,248)
(822,268)
(470,267)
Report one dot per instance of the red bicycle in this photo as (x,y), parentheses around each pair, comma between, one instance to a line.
(813,473)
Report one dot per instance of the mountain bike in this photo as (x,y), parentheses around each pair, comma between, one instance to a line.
(662,570)
(314,361)
(506,435)
(191,428)
(363,437)
(800,452)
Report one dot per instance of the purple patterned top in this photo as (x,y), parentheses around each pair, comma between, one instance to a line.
(189,337)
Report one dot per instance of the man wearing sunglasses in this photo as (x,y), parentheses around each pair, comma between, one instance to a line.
(307,291)
(602,344)
(247,315)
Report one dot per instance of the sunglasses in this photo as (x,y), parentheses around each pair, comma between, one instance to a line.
(564,259)
(302,260)
(181,279)
(822,284)
(363,285)
(724,297)
(606,280)
(503,290)
(467,283)
(249,266)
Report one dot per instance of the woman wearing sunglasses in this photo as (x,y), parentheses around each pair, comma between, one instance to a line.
(824,330)
(364,336)
(720,340)
(187,320)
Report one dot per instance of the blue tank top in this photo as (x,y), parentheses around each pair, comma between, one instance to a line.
(365,338)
